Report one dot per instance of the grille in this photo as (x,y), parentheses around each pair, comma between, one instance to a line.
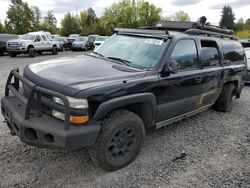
(13,45)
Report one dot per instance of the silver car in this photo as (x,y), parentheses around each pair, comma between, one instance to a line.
(81,43)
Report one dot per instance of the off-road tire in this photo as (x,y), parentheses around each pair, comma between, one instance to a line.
(13,54)
(54,50)
(224,102)
(120,139)
(32,52)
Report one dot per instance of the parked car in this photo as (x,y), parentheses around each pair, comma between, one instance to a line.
(64,43)
(246,44)
(81,43)
(99,40)
(4,38)
(72,37)
(247,78)
(137,80)
(32,44)
(92,39)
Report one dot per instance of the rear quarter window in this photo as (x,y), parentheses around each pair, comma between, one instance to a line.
(233,51)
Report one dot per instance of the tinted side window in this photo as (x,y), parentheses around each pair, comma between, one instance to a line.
(209,53)
(185,54)
(44,38)
(38,38)
(233,51)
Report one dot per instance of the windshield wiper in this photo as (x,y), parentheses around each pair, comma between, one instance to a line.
(123,61)
(98,54)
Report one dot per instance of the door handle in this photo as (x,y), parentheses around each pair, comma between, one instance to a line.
(198,78)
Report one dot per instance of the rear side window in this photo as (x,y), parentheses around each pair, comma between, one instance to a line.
(185,54)
(209,53)
(44,38)
(233,51)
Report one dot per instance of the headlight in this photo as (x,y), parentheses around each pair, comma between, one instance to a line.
(74,103)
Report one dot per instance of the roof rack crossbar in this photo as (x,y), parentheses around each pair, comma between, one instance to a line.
(142,31)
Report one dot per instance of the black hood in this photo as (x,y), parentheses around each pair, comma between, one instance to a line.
(73,74)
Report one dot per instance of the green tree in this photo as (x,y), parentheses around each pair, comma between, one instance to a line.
(227,17)
(37,16)
(50,18)
(20,17)
(49,23)
(239,26)
(91,17)
(70,24)
(7,27)
(46,26)
(130,13)
(88,21)
(181,16)
(1,28)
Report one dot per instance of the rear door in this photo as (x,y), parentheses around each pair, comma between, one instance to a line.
(212,71)
(46,43)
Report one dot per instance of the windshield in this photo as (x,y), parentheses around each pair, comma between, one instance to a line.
(82,39)
(27,37)
(139,51)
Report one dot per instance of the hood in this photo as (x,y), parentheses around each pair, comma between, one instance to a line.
(71,75)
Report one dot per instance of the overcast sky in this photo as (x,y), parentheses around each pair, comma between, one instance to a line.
(195,8)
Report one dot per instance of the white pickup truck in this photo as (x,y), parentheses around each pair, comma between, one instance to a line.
(33,43)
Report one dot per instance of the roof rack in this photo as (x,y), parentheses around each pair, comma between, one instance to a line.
(209,33)
(201,27)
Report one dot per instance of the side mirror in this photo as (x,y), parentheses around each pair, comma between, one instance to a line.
(172,67)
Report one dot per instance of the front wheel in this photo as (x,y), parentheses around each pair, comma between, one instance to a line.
(119,141)
(32,52)
(54,50)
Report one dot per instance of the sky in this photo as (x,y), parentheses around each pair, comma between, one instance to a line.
(195,8)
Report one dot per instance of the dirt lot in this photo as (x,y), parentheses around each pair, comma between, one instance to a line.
(217,146)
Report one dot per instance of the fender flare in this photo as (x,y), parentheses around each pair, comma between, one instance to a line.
(112,104)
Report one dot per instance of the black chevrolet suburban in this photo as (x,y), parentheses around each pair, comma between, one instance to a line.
(137,80)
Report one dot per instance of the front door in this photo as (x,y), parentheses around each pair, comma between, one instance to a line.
(179,93)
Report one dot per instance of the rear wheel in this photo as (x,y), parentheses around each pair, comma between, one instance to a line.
(119,141)
(32,52)
(224,102)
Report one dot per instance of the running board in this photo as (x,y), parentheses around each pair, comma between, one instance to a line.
(180,117)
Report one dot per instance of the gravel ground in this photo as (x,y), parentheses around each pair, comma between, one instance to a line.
(217,146)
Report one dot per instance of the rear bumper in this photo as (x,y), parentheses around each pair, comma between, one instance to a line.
(46,131)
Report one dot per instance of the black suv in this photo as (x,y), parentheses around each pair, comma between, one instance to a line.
(138,79)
